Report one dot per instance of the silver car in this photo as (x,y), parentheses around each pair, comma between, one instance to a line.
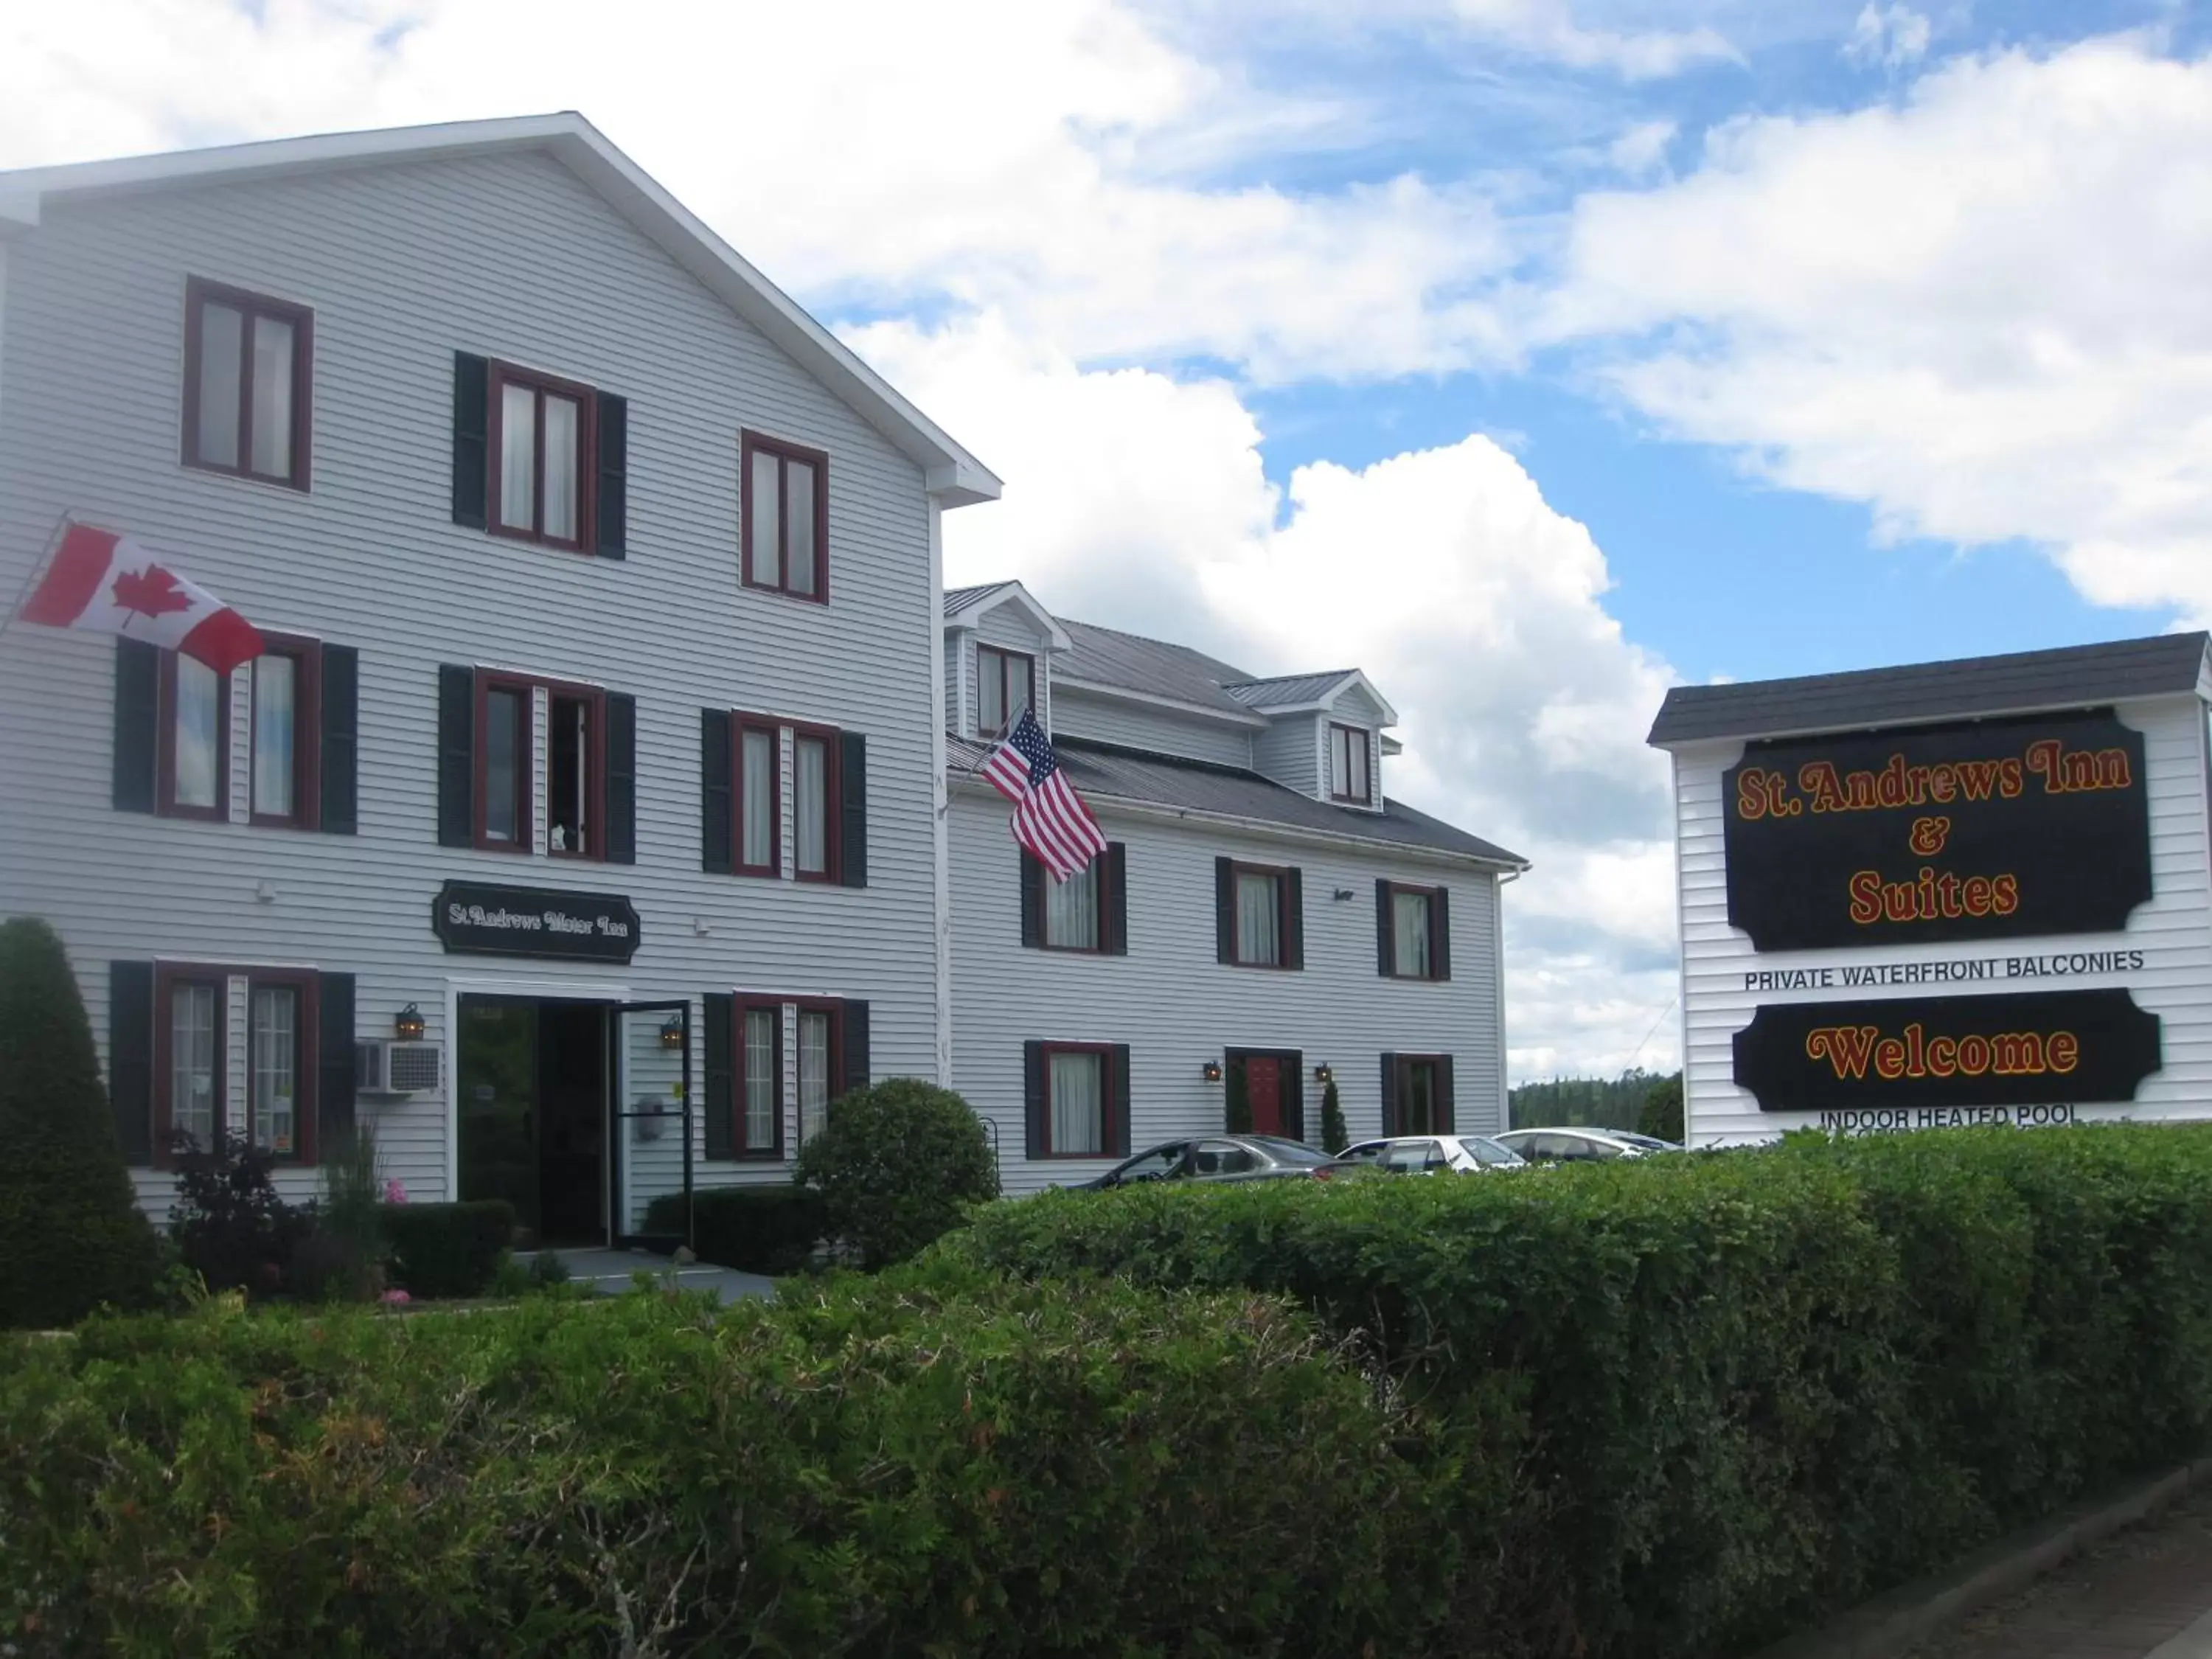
(1562,1144)
(1432,1155)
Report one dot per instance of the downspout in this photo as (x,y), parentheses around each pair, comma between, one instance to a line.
(940,797)
(1497,987)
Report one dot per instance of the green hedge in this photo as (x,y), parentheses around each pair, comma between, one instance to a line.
(875,1469)
(758,1230)
(447,1249)
(1758,1385)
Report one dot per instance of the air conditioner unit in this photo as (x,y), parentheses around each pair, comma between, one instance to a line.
(394,1070)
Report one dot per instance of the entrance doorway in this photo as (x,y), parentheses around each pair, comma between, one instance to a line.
(1264,1094)
(531,1093)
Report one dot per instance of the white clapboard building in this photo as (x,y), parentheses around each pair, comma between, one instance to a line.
(1265,918)
(1963,892)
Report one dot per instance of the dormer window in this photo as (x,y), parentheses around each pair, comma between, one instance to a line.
(1006,685)
(1349,771)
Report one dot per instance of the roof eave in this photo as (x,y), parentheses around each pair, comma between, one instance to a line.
(1888,723)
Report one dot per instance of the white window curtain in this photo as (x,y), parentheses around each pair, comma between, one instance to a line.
(766,525)
(272,397)
(222,336)
(1070,910)
(1259,918)
(518,457)
(812,761)
(275,1027)
(799,538)
(198,732)
(1078,1102)
(813,1075)
(563,424)
(990,692)
(1409,931)
(193,1062)
(760,804)
(276,693)
(763,1089)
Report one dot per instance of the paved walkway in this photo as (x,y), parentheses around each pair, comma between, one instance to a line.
(611,1272)
(2143,1594)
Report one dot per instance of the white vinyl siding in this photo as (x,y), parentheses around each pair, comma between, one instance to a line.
(1138,725)
(1289,752)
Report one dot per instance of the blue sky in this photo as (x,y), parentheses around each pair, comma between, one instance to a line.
(1533,354)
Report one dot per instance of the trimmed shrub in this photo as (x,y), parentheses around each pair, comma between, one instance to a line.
(447,1249)
(1758,1385)
(71,1235)
(900,1164)
(934,1466)
(1335,1136)
(756,1229)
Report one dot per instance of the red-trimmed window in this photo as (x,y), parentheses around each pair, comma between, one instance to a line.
(1263,923)
(815,752)
(575,766)
(1079,1100)
(248,383)
(284,718)
(784,502)
(759,1128)
(542,445)
(1350,775)
(821,1063)
(1006,684)
(192,1059)
(756,767)
(193,740)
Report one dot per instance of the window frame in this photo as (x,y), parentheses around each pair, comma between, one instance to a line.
(1401,1075)
(1046,1050)
(488,680)
(165,749)
(832,1009)
(1366,795)
(498,376)
(1428,975)
(749,443)
(306,655)
(1098,947)
(1280,874)
(306,1059)
(1005,655)
(167,975)
(741,1005)
(833,801)
(200,292)
(773,729)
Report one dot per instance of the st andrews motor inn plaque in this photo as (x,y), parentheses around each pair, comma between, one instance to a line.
(1989,829)
(480,917)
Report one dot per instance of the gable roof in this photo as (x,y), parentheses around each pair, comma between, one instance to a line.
(1107,773)
(964,607)
(950,472)
(1298,693)
(2019,682)
(1107,658)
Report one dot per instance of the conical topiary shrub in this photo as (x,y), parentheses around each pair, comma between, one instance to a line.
(71,1237)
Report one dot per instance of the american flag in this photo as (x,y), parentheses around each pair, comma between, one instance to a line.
(1049,817)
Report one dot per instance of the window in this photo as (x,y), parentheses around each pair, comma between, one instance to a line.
(571,768)
(283,722)
(195,738)
(818,1067)
(542,445)
(785,505)
(195,1072)
(760,1071)
(1420,1103)
(1070,910)
(273,1043)
(247,362)
(1259,917)
(1076,1088)
(759,799)
(1349,774)
(814,814)
(1409,932)
(1006,685)
(192,1061)
(575,768)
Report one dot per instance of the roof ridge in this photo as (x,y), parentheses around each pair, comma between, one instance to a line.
(1303,674)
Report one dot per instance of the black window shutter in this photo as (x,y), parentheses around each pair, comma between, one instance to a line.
(614,476)
(138,713)
(340,808)
(1225,910)
(855,1021)
(334,1078)
(131,1057)
(1294,1095)
(1114,899)
(457,760)
(1117,1131)
(1390,1095)
(852,808)
(1447,1116)
(1294,920)
(1440,934)
(714,806)
(1037,1140)
(622,778)
(1386,941)
(1032,899)
(721,1096)
(471,439)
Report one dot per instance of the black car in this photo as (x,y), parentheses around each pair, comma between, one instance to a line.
(1217,1157)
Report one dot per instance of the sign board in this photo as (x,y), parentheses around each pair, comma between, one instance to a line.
(2002,829)
(482,919)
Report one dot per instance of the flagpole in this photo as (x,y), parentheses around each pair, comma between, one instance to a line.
(37,568)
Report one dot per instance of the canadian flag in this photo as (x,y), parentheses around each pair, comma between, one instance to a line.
(109,584)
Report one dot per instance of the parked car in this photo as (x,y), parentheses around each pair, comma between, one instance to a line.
(1430,1154)
(1216,1157)
(1559,1145)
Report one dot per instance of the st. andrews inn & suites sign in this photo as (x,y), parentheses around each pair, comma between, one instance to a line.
(1953,893)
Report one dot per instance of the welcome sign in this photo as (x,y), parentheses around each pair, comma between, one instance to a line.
(1987,829)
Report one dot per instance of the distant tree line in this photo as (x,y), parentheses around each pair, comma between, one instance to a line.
(1637,1099)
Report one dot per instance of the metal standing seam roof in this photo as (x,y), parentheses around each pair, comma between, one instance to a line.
(958,601)
(1965,687)
(1111,772)
(1106,656)
(1287,691)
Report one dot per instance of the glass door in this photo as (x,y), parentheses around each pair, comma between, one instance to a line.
(652,1122)
(495,1103)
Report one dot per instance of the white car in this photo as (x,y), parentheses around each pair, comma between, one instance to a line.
(1561,1145)
(1429,1154)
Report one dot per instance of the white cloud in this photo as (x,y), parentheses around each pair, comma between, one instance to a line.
(1548,28)
(1888,37)
(1987,312)
(1642,149)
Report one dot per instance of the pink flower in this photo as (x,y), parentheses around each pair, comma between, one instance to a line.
(394,1298)
(394,1192)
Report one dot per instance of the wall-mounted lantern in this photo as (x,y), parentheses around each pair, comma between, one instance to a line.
(1324,1072)
(407,1023)
(671,1033)
(1211,1071)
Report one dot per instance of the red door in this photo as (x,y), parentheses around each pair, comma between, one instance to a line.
(1263,1092)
